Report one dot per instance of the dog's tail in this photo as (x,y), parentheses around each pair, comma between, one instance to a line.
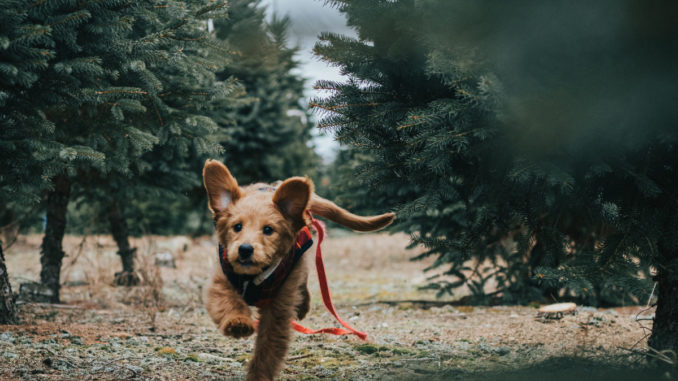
(332,212)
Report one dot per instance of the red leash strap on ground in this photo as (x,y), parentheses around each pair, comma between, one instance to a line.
(325,291)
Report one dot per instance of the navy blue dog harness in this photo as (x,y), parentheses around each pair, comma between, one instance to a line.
(259,290)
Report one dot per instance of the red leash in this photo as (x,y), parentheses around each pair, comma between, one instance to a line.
(325,291)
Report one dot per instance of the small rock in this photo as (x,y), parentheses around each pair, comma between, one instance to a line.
(322,373)
(7,337)
(9,355)
(212,359)
(115,342)
(484,347)
(77,340)
(134,368)
(502,351)
(165,259)
(132,341)
(76,283)
(35,292)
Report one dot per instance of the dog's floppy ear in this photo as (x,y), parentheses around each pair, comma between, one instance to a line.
(292,198)
(222,188)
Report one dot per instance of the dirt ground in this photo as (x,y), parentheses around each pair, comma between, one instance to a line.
(160,330)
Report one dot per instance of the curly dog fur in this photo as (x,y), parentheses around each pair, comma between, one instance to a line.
(257,228)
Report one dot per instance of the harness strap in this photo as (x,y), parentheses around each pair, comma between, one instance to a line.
(301,245)
(319,227)
(260,290)
(263,276)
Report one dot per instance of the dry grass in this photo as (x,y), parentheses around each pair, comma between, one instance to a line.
(125,329)
(360,267)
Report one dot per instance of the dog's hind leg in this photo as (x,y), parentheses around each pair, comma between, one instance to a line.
(305,304)
(227,309)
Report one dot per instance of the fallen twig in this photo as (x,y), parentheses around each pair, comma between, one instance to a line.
(423,303)
(69,360)
(300,357)
(50,305)
(667,356)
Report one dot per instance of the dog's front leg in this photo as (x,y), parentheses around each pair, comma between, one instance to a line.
(227,309)
(274,331)
(273,338)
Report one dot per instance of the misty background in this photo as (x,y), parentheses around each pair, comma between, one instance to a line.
(308,18)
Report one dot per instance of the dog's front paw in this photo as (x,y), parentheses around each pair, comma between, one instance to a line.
(238,327)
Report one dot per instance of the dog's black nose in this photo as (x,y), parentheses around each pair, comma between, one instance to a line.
(245,251)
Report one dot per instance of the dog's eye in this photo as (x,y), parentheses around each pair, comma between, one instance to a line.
(237,227)
(268,230)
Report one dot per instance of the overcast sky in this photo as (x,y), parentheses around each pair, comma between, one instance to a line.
(309,18)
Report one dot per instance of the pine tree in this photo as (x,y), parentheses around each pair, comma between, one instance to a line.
(410,129)
(184,89)
(268,133)
(109,94)
(8,313)
(516,144)
(263,127)
(262,124)
(25,50)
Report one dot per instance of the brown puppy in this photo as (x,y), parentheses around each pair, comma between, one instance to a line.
(260,229)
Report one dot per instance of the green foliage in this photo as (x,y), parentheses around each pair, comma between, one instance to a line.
(25,145)
(127,90)
(485,137)
(164,94)
(264,132)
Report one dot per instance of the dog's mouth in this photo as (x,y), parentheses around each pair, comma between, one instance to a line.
(245,263)
(247,266)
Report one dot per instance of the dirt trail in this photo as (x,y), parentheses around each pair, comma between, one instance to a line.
(160,330)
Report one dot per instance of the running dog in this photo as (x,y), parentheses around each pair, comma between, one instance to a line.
(263,233)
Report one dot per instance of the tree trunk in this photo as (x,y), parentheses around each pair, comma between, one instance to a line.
(665,329)
(120,231)
(7,308)
(52,252)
